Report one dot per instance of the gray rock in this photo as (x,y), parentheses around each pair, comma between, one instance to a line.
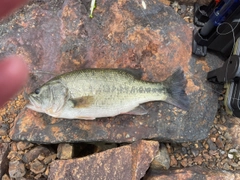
(4,150)
(16,169)
(212,145)
(65,151)
(34,153)
(37,167)
(162,159)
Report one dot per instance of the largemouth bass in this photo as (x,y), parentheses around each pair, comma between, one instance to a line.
(94,93)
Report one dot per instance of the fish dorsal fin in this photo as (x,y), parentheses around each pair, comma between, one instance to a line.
(137,73)
(82,102)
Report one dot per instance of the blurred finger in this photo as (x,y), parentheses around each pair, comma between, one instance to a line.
(13,75)
(8,6)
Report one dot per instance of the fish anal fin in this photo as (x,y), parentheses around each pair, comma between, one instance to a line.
(139,110)
(86,118)
(82,102)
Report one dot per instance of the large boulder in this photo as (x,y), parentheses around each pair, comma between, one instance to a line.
(58,36)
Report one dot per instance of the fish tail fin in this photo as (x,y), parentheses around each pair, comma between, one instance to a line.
(175,85)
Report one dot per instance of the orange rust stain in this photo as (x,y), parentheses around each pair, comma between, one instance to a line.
(46,139)
(76,62)
(55,129)
(27,57)
(85,127)
(191,87)
(117,24)
(204,64)
(68,12)
(144,35)
(121,2)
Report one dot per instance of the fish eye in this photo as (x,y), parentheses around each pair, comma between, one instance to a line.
(37,91)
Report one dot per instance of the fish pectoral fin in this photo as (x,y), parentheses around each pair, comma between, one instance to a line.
(82,102)
(139,110)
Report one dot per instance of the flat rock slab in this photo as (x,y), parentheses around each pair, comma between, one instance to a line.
(56,37)
(191,173)
(126,162)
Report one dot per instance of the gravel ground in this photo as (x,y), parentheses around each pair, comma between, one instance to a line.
(215,152)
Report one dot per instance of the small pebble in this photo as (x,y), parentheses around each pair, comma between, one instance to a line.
(37,167)
(220,142)
(38,176)
(49,159)
(16,169)
(173,161)
(34,153)
(220,98)
(14,156)
(13,146)
(211,144)
(226,166)
(41,157)
(195,152)
(5,177)
(184,162)
(3,132)
(6,139)
(206,155)
(24,145)
(198,160)
(183,8)
(230,156)
(233,164)
(162,159)
(184,150)
(211,165)
(46,171)
(65,151)
(190,161)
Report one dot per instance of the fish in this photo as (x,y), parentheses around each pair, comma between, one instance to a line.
(95,93)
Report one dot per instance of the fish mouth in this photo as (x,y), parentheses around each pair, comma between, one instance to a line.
(32,104)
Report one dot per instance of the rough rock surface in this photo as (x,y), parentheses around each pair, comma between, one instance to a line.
(195,172)
(4,150)
(126,162)
(162,159)
(59,36)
